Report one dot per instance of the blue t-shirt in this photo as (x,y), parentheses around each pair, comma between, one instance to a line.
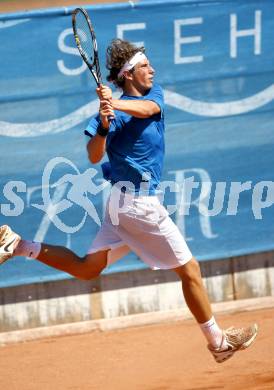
(135,146)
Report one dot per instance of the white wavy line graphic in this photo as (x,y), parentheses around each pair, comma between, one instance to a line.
(50,127)
(173,99)
(235,107)
(11,23)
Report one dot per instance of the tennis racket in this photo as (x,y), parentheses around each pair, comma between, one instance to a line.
(86,42)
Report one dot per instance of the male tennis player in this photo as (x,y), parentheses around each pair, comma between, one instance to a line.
(134,143)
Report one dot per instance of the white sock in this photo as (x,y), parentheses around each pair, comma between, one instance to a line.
(28,249)
(213,333)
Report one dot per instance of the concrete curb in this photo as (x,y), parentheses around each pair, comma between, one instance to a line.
(129,321)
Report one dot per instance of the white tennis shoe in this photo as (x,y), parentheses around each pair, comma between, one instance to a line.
(8,242)
(237,339)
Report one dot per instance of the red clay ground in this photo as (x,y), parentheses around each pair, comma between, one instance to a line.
(21,5)
(159,357)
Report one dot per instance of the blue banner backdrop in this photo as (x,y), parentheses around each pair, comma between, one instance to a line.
(215,62)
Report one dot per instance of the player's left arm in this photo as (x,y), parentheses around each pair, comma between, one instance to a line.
(145,108)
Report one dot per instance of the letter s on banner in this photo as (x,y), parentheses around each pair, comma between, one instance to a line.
(18,203)
(69,50)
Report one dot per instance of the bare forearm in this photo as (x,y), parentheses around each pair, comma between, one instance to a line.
(96,148)
(136,108)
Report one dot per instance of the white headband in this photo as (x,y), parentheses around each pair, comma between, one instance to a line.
(139,56)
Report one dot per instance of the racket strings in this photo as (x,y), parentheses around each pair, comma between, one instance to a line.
(84,36)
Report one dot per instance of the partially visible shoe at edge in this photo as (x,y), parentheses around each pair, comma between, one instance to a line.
(8,242)
(237,339)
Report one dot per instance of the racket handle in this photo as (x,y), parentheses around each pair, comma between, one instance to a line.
(110,117)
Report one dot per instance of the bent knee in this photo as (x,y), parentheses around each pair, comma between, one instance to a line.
(92,266)
(89,272)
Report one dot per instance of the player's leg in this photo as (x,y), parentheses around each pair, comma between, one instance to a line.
(194,291)
(222,344)
(154,237)
(61,258)
(198,302)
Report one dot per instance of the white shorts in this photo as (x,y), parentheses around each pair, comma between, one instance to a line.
(143,226)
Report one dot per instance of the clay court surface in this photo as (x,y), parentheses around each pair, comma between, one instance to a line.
(19,5)
(159,357)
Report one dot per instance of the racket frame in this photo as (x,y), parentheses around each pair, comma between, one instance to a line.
(94,66)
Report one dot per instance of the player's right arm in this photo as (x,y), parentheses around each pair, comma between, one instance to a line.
(96,146)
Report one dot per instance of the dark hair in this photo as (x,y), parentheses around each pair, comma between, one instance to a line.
(118,53)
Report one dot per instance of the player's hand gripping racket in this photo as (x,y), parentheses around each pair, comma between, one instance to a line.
(86,42)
